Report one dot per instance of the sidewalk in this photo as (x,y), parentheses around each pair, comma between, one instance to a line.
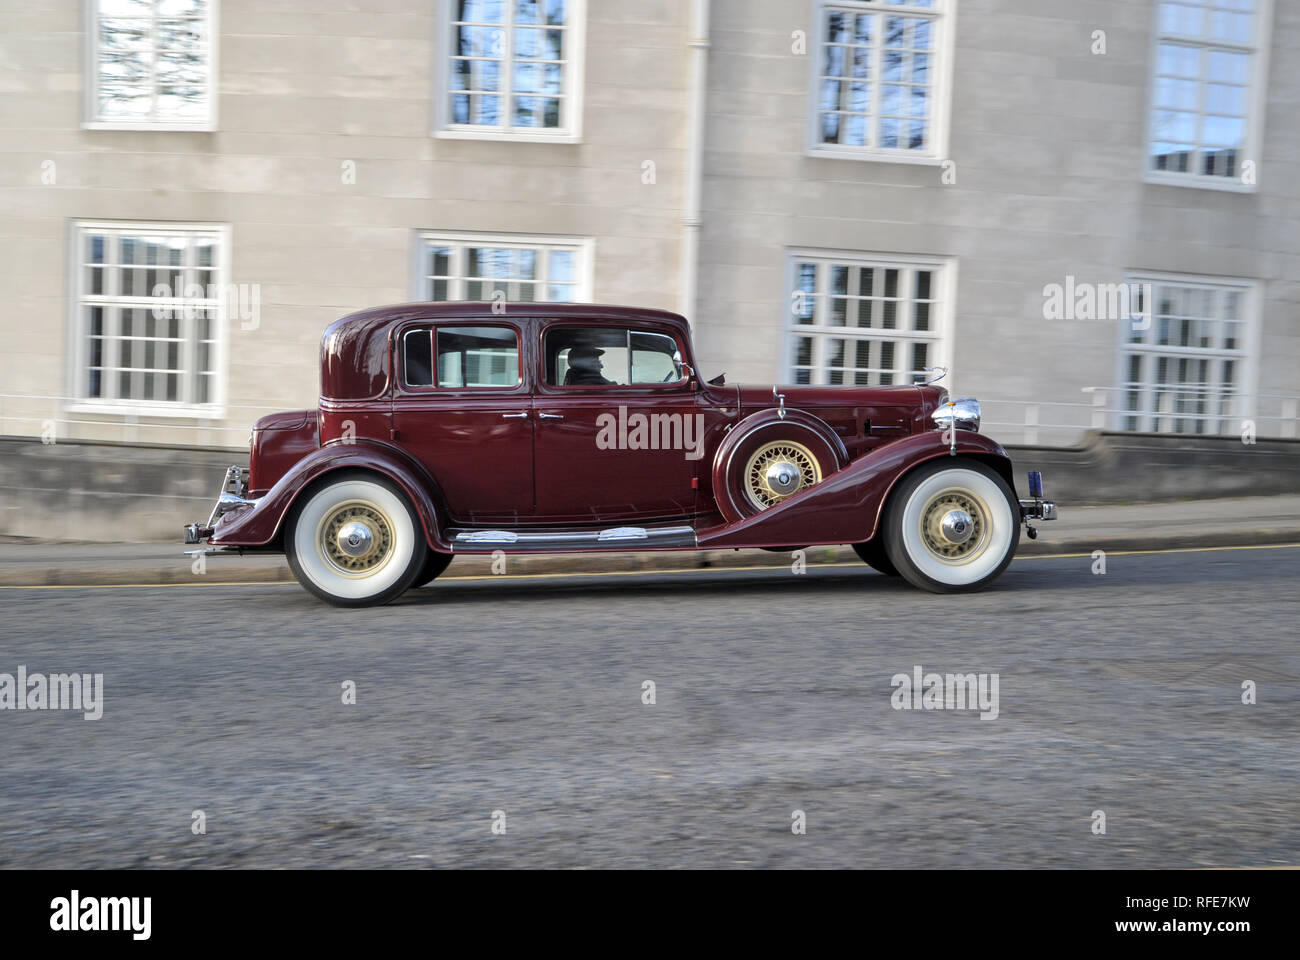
(1151,526)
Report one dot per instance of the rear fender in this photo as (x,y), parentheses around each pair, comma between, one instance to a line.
(261,524)
(846,507)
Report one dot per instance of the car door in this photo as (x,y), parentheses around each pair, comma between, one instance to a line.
(617,440)
(462,407)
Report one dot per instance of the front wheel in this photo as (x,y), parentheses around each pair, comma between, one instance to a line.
(434,564)
(952,526)
(355,541)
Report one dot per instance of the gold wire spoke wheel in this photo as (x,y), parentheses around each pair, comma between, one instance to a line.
(779,470)
(955,526)
(356,537)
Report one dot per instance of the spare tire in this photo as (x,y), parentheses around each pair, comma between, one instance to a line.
(766,459)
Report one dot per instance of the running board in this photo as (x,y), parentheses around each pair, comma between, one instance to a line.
(614,538)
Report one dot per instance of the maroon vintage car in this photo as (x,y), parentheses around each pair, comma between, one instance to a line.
(462,428)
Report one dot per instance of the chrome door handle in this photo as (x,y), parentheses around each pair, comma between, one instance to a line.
(521,415)
(550,416)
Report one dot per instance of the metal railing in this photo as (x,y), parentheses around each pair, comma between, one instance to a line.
(1162,409)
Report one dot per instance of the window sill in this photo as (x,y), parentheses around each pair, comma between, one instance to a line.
(1196,181)
(150,126)
(456,133)
(126,408)
(874,156)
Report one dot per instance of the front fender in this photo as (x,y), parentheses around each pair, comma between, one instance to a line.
(260,525)
(846,507)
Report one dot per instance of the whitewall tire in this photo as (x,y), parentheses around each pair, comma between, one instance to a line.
(953,525)
(355,541)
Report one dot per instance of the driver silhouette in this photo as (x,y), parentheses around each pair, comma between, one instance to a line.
(584,367)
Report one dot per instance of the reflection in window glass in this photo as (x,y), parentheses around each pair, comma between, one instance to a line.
(516,269)
(509,64)
(877,75)
(1200,109)
(152,61)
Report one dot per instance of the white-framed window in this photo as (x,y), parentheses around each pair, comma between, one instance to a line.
(510,70)
(473,266)
(151,64)
(881,79)
(866,319)
(1187,358)
(1207,94)
(149,316)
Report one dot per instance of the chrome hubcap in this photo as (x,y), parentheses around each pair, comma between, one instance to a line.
(782,477)
(779,470)
(356,538)
(955,526)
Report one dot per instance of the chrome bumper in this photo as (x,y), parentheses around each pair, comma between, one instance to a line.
(234,488)
(1037,509)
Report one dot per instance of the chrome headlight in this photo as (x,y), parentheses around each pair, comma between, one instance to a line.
(964,414)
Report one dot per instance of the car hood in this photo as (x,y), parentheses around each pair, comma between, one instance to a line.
(757,397)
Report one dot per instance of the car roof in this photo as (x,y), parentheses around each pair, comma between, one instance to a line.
(354,348)
(593,312)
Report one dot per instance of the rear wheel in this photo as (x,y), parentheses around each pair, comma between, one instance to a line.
(952,526)
(355,541)
(873,555)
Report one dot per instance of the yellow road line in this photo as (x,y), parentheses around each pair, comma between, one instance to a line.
(149,586)
(1134,553)
(624,573)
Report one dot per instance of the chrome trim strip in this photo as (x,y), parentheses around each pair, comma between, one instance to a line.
(624,533)
(610,537)
(487,536)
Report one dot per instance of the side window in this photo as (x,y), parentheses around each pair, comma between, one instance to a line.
(613,356)
(417,358)
(652,358)
(466,357)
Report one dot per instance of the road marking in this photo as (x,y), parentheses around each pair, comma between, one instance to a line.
(149,586)
(622,573)
(1134,553)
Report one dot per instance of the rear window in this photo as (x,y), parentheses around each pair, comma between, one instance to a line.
(465,357)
